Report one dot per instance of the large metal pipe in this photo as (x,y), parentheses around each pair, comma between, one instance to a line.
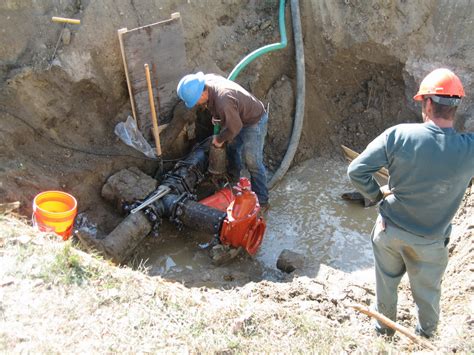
(200,217)
(178,205)
(237,224)
(122,241)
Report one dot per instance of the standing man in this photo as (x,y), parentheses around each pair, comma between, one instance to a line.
(430,167)
(243,119)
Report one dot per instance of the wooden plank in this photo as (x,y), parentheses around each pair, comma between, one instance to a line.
(395,326)
(120,32)
(156,132)
(351,155)
(161,45)
(382,173)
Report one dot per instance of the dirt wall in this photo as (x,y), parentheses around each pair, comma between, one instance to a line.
(364,60)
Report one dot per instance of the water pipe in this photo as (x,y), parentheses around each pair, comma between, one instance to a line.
(233,219)
(300,96)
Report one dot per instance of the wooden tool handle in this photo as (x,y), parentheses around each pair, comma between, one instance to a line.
(395,326)
(72,21)
(351,155)
(156,132)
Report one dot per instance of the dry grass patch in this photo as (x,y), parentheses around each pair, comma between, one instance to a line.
(56,298)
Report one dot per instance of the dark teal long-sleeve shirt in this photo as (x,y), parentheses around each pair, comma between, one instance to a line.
(430,168)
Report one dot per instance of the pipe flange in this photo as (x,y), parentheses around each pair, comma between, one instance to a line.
(177,210)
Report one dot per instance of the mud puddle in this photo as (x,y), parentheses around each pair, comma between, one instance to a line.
(307,216)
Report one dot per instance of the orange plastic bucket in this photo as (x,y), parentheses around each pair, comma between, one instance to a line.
(55,211)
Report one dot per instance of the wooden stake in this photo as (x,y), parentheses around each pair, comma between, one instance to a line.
(390,323)
(120,32)
(156,132)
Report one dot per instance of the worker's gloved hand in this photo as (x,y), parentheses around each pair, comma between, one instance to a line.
(215,120)
(385,190)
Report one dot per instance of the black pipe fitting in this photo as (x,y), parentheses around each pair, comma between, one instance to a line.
(180,204)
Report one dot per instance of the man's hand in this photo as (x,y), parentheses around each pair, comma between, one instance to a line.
(381,223)
(216,143)
(215,120)
(385,191)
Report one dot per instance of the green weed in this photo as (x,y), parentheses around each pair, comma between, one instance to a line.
(67,268)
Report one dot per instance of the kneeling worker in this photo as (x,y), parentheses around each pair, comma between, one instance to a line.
(243,119)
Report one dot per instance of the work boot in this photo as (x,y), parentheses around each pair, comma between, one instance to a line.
(388,332)
(358,197)
(420,332)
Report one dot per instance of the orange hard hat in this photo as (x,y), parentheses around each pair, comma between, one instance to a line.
(440,82)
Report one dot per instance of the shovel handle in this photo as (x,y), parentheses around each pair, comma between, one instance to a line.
(156,132)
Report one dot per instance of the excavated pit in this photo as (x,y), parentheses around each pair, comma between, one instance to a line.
(363,62)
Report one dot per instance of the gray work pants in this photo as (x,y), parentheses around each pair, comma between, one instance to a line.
(397,251)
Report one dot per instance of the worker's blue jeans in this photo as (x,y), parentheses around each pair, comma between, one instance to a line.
(397,251)
(249,145)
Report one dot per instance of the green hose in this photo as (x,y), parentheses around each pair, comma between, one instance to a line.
(265,49)
(260,51)
(300,79)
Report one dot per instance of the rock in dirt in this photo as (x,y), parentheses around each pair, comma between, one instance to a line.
(128,185)
(223,254)
(289,261)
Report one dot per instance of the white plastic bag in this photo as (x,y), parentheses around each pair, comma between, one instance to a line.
(129,134)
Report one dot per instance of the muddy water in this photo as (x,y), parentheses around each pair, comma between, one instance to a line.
(307,216)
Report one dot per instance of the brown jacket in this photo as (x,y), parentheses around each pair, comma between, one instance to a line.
(233,105)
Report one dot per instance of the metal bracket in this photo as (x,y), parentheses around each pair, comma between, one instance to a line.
(162,191)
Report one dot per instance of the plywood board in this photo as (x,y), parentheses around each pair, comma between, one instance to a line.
(161,45)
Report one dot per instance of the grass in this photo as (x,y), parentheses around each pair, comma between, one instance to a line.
(58,299)
(67,268)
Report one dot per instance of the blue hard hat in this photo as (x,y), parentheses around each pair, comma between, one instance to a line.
(190,88)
